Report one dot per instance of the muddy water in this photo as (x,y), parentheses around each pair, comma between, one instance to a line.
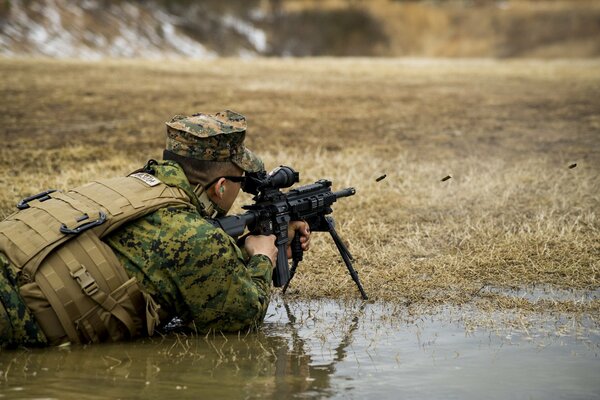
(326,349)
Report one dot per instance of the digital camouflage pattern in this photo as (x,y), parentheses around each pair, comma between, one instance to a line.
(17,325)
(218,137)
(192,269)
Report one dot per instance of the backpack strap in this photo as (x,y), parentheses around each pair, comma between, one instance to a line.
(74,292)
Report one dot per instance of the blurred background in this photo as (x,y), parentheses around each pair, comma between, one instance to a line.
(96,29)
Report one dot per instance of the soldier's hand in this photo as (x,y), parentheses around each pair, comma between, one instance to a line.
(298,228)
(262,244)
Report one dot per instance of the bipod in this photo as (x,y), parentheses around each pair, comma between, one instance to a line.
(329,226)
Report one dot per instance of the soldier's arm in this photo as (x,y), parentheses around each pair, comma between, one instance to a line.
(222,290)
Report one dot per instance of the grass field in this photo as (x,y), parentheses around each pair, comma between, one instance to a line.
(513,215)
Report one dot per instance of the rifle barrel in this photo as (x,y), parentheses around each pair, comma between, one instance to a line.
(345,192)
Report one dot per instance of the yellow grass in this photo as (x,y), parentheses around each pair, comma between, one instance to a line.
(512,215)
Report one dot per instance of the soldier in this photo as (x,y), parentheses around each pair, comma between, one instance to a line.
(116,258)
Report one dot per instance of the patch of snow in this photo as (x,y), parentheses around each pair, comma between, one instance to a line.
(183,44)
(74,9)
(58,28)
(37,34)
(256,37)
(53,15)
(4,42)
(54,39)
(96,39)
(120,48)
(89,4)
(257,14)
(131,10)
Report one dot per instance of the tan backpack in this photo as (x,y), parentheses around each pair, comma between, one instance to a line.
(72,281)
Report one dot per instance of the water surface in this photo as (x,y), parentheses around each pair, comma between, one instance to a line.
(328,349)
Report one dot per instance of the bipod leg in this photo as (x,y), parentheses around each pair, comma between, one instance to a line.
(346,256)
(292,273)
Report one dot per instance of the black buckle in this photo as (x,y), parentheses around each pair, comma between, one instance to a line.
(86,226)
(40,196)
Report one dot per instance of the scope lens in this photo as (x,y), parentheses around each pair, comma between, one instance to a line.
(282,177)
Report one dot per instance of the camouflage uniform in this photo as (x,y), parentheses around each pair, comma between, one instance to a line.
(193,270)
(17,324)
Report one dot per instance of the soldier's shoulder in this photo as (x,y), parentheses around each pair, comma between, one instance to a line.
(190,232)
(189,221)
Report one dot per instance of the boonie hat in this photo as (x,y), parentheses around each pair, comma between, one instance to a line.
(218,137)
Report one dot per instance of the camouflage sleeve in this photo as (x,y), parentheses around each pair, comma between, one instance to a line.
(220,288)
(224,292)
(194,270)
(17,324)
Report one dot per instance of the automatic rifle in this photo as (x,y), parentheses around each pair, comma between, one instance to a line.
(273,210)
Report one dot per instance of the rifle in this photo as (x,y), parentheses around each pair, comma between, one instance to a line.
(273,210)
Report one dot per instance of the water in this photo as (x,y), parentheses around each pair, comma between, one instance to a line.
(327,349)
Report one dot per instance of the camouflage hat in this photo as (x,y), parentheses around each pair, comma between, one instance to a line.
(218,137)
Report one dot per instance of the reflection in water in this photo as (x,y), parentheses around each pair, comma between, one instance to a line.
(321,349)
(274,363)
(295,360)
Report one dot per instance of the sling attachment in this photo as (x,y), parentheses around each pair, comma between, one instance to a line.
(148,168)
(86,281)
(78,229)
(23,204)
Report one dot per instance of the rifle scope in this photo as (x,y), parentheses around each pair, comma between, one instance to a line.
(281,177)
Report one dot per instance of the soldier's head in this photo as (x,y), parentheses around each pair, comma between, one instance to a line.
(210,149)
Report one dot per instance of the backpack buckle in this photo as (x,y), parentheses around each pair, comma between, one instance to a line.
(85,226)
(86,281)
(23,204)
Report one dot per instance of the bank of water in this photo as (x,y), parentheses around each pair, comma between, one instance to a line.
(328,349)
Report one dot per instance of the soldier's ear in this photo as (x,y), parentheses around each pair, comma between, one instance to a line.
(219,187)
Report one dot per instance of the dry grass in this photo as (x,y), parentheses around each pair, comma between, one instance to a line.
(513,215)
